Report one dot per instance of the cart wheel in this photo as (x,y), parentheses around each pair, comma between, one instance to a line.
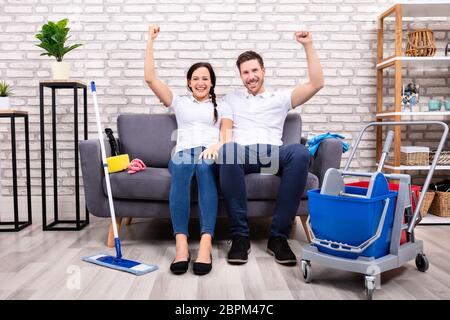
(306,271)
(370,287)
(422,263)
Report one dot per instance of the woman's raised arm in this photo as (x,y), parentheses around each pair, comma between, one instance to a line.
(161,90)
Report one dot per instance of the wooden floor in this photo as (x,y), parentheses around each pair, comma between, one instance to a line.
(47,265)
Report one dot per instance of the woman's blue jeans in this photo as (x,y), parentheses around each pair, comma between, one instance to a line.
(183,166)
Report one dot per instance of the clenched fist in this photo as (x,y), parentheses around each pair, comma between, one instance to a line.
(304,37)
(153,32)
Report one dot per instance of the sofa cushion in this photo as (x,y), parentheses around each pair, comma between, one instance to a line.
(150,184)
(154,184)
(149,137)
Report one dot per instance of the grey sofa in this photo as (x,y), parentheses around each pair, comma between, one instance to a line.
(151,138)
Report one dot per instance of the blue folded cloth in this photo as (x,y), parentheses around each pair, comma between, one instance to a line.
(314,142)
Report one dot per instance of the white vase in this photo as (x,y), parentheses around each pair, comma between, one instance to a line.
(60,70)
(4,103)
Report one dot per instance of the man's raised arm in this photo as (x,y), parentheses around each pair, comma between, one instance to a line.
(304,92)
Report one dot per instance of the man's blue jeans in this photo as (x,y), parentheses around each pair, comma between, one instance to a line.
(182,166)
(290,162)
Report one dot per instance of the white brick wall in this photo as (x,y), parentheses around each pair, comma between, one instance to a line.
(114,33)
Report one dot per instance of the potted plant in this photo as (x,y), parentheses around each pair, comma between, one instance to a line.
(53,37)
(5,92)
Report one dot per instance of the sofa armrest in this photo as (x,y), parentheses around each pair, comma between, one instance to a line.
(92,170)
(328,155)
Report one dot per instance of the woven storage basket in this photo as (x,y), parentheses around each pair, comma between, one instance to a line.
(429,196)
(444,157)
(441,204)
(414,156)
(420,43)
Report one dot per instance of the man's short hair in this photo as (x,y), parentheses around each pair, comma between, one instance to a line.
(249,55)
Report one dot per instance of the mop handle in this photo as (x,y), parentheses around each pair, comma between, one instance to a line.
(105,168)
(385,152)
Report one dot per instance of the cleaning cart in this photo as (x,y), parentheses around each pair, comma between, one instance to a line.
(359,229)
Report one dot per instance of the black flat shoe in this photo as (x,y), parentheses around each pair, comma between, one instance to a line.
(180,267)
(201,268)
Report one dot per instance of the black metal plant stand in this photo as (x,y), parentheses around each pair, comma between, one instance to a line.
(61,224)
(18,224)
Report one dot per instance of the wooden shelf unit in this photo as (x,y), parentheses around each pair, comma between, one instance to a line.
(398,61)
(432,8)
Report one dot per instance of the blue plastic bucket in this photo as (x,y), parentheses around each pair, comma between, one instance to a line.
(351,221)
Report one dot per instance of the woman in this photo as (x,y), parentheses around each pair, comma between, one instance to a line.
(198,141)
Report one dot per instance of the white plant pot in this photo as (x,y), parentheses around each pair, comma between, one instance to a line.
(4,103)
(60,70)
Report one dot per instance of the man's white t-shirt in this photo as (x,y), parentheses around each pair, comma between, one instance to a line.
(195,121)
(260,118)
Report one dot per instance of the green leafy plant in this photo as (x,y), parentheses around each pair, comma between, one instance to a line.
(5,89)
(53,37)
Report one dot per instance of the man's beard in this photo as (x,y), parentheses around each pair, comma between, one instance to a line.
(256,88)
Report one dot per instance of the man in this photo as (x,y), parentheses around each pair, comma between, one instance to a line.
(259,117)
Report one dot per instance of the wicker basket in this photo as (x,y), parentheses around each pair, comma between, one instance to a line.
(414,156)
(444,158)
(420,43)
(441,204)
(427,200)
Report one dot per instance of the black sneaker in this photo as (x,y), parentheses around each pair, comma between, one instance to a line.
(279,247)
(240,248)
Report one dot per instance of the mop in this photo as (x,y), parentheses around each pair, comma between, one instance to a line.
(106,260)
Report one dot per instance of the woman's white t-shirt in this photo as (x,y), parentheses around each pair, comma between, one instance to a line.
(195,121)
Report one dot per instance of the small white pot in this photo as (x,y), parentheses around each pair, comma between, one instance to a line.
(4,103)
(60,70)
